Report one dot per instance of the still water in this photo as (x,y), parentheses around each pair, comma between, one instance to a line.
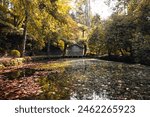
(92,79)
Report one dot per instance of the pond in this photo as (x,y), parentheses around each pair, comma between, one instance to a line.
(19,73)
(91,79)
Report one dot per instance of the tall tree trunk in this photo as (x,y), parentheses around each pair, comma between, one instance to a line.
(25,34)
(26,8)
(88,13)
(65,48)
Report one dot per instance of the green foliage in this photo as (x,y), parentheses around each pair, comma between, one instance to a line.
(119,33)
(97,41)
(125,33)
(15,53)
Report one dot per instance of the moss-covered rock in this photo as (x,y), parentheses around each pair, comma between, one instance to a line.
(1,66)
(15,53)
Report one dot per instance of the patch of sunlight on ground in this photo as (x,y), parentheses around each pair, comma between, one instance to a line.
(54,65)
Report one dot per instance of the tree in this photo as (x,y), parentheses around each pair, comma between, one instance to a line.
(96,40)
(82,13)
(141,41)
(128,34)
(41,19)
(119,35)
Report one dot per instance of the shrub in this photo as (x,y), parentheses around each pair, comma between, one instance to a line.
(15,53)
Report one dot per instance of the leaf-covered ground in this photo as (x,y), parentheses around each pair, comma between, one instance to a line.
(26,87)
(20,88)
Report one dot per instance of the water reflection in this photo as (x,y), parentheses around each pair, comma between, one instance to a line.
(91,79)
(19,73)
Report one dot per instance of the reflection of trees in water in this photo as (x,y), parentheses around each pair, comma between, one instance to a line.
(126,83)
(94,79)
(55,86)
(87,81)
(19,73)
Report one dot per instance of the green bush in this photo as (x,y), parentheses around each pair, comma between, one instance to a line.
(15,53)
